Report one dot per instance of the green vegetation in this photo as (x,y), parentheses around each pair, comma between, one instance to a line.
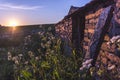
(42,57)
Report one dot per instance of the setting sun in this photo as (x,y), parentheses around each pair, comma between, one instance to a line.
(13,23)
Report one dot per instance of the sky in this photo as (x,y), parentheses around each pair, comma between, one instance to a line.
(28,12)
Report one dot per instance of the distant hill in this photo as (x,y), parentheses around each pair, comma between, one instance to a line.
(13,36)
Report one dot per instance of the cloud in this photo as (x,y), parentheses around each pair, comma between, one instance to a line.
(18,7)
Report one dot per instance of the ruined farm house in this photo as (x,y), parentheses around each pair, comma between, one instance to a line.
(79,24)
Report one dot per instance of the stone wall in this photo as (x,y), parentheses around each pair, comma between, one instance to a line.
(90,24)
(64,29)
(72,28)
(67,31)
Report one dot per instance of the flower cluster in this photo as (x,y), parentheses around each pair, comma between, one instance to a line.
(111,67)
(9,56)
(114,45)
(15,59)
(86,64)
(114,40)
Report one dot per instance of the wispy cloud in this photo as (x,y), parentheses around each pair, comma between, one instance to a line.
(18,7)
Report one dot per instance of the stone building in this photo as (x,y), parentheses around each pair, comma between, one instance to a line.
(79,25)
(64,27)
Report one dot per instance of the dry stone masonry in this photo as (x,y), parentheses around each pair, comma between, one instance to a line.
(91,21)
(64,29)
(79,26)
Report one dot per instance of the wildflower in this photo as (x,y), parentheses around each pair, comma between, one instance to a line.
(39,33)
(108,43)
(84,65)
(49,42)
(47,45)
(52,51)
(14,58)
(20,55)
(42,45)
(52,37)
(9,56)
(87,64)
(9,53)
(111,67)
(29,36)
(118,40)
(114,39)
(47,53)
(30,53)
(16,62)
(81,68)
(88,61)
(37,58)
(26,62)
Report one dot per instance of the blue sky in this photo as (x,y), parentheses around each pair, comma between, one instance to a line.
(27,12)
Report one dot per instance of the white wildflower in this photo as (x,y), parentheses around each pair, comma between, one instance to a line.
(87,64)
(108,43)
(118,40)
(111,67)
(52,51)
(29,36)
(114,39)
(81,68)
(110,54)
(14,58)
(88,61)
(26,62)
(84,65)
(9,56)
(16,62)
(42,45)
(47,53)
(20,55)
(47,45)
(49,42)
(52,37)
(37,58)
(9,53)
(39,33)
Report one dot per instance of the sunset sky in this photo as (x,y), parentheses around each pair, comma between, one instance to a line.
(27,12)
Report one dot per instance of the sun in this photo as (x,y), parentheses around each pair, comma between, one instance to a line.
(13,23)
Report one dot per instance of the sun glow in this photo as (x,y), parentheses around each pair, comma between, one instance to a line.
(13,23)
